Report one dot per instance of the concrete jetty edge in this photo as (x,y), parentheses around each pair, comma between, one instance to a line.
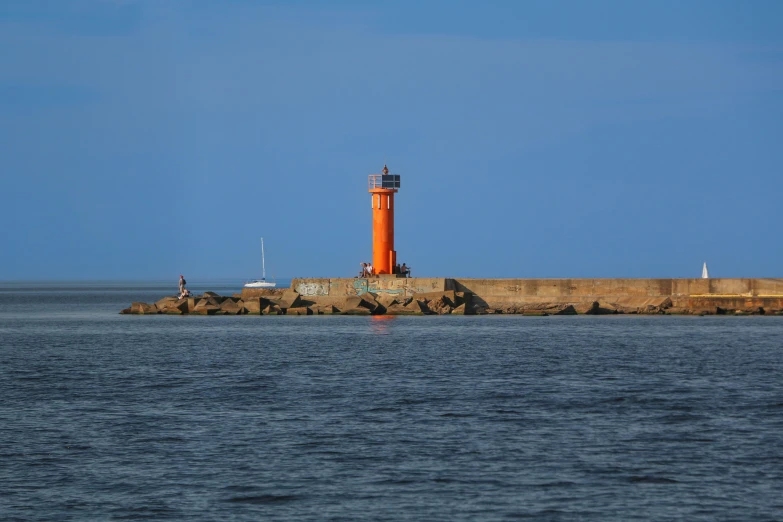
(389,295)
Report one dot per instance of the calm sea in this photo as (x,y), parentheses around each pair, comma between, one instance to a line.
(105,416)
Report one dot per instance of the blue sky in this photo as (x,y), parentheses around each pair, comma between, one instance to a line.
(144,139)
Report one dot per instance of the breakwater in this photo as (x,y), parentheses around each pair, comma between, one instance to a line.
(424,296)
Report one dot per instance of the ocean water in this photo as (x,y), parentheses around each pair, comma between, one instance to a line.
(105,416)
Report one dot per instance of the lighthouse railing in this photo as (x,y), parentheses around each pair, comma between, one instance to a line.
(383,181)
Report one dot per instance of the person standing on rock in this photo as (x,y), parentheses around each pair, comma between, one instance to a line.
(182,284)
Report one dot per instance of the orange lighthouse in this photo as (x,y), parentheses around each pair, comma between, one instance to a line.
(382,188)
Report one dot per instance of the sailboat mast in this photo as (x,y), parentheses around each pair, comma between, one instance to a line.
(263,263)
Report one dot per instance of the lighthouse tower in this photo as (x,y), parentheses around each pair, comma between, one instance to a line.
(382,188)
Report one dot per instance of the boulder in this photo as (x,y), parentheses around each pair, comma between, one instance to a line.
(206,310)
(460,310)
(608,309)
(462,298)
(252,306)
(448,297)
(565,309)
(231,307)
(551,309)
(603,308)
(440,305)
(166,302)
(355,301)
(386,300)
(324,309)
(265,301)
(215,298)
(272,309)
(172,305)
(176,307)
(214,301)
(586,307)
(416,307)
(398,309)
(299,310)
(356,311)
(206,306)
(289,299)
(372,303)
(366,301)
(143,308)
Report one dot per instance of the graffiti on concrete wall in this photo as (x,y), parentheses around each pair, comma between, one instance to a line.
(360,286)
(309,289)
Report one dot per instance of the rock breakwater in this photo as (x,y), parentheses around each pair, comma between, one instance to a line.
(439,296)
(289,302)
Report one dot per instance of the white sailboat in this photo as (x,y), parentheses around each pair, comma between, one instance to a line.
(704,273)
(261,283)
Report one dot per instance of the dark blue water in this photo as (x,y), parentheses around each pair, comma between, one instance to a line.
(104,416)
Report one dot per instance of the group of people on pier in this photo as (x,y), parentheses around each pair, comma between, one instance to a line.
(367,270)
(404,270)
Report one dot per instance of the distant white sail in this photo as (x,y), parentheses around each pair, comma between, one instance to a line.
(704,273)
(261,283)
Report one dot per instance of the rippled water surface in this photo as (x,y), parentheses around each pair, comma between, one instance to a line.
(104,416)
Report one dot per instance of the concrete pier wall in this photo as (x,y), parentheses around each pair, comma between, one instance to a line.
(527,295)
(545,288)
(347,287)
